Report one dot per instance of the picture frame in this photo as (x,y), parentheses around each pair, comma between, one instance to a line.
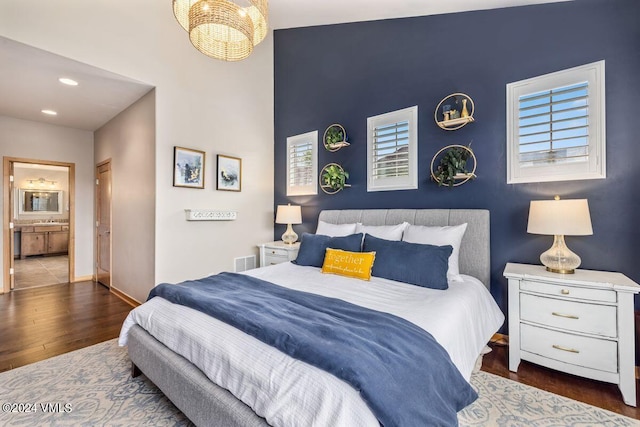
(188,167)
(228,173)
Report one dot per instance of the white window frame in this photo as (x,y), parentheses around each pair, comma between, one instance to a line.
(305,138)
(409,182)
(595,167)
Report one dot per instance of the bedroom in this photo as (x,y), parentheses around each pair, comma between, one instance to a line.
(249,87)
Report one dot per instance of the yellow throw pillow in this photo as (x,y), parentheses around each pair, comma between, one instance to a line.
(349,264)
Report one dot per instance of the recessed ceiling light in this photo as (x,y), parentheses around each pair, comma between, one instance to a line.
(49,112)
(67,81)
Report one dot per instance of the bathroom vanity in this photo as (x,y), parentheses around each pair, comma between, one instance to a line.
(43,239)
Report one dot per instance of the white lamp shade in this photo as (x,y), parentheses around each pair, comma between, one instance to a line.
(287,214)
(560,217)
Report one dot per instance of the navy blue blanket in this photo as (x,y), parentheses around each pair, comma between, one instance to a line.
(401,372)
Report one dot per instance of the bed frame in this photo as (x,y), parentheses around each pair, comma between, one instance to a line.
(207,404)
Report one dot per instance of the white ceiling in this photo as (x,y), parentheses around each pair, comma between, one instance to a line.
(29,76)
(305,13)
(29,83)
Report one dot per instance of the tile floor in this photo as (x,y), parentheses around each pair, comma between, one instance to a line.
(40,271)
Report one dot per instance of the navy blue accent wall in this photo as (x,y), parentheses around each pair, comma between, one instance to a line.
(346,73)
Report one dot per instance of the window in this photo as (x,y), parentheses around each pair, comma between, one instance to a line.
(556,126)
(392,147)
(302,164)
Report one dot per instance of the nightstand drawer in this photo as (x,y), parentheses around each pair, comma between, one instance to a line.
(272,260)
(276,252)
(599,295)
(570,315)
(574,349)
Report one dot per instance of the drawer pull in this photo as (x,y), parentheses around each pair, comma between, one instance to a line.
(565,292)
(568,316)
(570,350)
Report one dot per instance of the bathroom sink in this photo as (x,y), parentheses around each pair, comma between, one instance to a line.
(50,223)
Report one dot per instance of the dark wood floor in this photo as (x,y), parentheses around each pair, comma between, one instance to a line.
(595,393)
(39,323)
(43,322)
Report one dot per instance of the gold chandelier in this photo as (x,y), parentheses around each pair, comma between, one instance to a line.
(221,28)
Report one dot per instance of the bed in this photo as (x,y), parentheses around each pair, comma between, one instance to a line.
(207,403)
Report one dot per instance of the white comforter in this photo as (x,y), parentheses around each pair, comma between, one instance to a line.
(288,392)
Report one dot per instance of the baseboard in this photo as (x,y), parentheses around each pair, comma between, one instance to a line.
(124,297)
(501,339)
(83,279)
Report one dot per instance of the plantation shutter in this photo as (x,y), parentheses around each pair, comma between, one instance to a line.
(301,168)
(302,164)
(391,150)
(554,126)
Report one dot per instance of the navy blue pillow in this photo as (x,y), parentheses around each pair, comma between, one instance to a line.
(413,263)
(314,246)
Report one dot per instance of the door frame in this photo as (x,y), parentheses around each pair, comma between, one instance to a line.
(7,233)
(97,212)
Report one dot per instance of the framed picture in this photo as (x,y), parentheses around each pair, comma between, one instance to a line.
(188,168)
(229,173)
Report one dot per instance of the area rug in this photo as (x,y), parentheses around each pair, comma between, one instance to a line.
(93,387)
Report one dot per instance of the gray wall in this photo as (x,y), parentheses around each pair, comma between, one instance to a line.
(129,141)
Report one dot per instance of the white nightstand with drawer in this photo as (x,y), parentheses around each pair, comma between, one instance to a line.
(581,323)
(277,252)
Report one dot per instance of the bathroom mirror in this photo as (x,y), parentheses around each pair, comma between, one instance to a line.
(40,201)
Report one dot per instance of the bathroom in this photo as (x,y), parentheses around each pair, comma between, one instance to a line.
(41,224)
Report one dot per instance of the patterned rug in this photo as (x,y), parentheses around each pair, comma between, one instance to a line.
(93,387)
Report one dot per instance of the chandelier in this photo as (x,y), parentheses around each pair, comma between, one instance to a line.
(222,29)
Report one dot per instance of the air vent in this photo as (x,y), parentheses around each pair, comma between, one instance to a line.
(244,263)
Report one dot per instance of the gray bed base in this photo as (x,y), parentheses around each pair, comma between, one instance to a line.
(203,402)
(207,404)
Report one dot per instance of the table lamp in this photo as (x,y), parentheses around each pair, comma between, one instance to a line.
(289,215)
(559,218)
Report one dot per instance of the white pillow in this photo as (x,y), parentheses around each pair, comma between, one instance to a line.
(440,236)
(335,230)
(387,232)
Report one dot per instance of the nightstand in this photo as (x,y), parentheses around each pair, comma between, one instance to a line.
(581,323)
(277,252)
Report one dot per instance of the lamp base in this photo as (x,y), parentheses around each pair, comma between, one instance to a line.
(559,258)
(554,270)
(289,237)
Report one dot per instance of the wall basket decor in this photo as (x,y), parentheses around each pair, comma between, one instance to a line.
(454,111)
(452,169)
(333,178)
(335,137)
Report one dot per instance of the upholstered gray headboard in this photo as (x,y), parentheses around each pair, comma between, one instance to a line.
(475,256)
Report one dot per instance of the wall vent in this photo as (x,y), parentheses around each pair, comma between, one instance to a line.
(244,263)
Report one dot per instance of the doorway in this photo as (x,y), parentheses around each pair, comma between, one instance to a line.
(103,223)
(39,223)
